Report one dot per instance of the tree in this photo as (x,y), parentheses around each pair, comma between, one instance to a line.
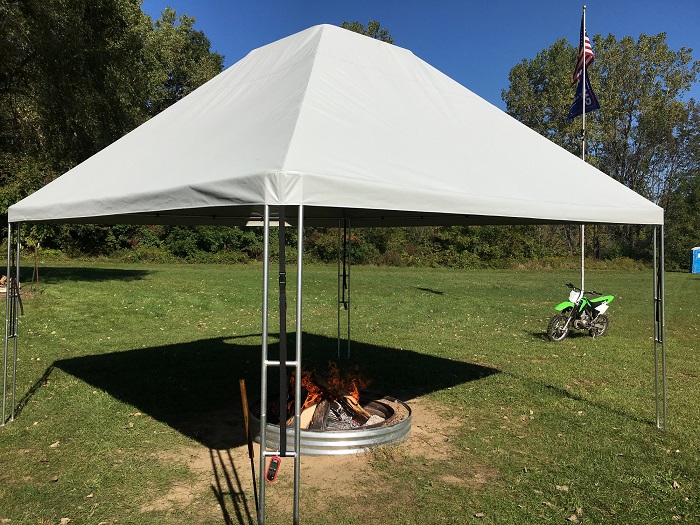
(683,205)
(76,76)
(373,30)
(178,60)
(639,134)
(74,85)
(540,94)
(643,133)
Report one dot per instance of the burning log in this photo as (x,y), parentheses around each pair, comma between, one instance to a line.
(335,400)
(346,400)
(306,415)
(320,415)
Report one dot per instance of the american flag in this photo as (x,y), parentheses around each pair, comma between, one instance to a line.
(585,52)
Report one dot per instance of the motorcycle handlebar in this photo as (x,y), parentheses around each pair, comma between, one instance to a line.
(591,292)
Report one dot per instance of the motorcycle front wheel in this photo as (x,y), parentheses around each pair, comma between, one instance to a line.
(599,326)
(557,329)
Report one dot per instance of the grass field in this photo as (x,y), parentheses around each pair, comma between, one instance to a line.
(127,373)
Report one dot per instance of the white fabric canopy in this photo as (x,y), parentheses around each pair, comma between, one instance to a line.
(346,125)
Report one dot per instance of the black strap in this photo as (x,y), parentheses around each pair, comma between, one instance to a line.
(284,381)
(345,261)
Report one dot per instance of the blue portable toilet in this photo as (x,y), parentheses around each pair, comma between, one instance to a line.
(695,260)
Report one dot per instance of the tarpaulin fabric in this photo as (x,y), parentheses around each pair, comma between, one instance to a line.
(346,125)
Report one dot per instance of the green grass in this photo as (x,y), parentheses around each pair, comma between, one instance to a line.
(124,366)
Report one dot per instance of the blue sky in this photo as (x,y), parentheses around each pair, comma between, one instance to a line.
(474,42)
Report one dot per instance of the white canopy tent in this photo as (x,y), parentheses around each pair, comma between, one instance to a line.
(328,125)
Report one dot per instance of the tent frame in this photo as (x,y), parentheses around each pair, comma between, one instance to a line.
(13,305)
(659,328)
(282,363)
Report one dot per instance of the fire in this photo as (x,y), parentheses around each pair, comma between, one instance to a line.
(313,393)
(350,382)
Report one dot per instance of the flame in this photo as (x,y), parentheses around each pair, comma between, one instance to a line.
(351,382)
(313,392)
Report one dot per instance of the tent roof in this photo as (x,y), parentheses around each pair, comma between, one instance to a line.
(346,125)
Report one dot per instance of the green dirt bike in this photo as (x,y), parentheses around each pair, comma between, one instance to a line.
(581,313)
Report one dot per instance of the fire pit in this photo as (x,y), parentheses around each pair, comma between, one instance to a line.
(337,417)
(393,429)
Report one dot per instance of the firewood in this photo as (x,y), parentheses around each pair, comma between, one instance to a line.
(353,407)
(307,415)
(359,414)
(318,421)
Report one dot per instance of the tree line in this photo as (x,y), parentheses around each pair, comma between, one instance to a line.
(76,76)
(645,134)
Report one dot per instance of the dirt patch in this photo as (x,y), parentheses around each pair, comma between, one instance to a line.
(226,473)
(431,431)
(179,495)
(477,476)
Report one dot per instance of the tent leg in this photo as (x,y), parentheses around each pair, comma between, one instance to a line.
(12,306)
(263,378)
(659,329)
(283,380)
(282,363)
(297,384)
(7,322)
(16,306)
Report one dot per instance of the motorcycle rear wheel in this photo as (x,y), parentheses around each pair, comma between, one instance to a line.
(599,327)
(557,328)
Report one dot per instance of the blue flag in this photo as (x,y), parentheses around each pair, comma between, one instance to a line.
(591,99)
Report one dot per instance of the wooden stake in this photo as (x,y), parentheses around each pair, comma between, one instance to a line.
(249,437)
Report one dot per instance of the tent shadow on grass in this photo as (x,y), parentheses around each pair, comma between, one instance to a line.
(193,387)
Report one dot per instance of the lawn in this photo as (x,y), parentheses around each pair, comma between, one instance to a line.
(130,410)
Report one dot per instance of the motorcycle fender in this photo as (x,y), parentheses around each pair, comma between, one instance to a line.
(564,305)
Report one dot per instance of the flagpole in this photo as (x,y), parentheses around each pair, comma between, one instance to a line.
(583,149)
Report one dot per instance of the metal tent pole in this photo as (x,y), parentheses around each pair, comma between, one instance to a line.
(656,326)
(662,272)
(263,378)
(283,379)
(16,305)
(297,384)
(12,307)
(7,321)
(659,330)
(282,363)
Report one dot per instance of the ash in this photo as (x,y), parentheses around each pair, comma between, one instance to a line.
(374,419)
(339,419)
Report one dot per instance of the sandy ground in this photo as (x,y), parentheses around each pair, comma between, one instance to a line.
(224,476)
